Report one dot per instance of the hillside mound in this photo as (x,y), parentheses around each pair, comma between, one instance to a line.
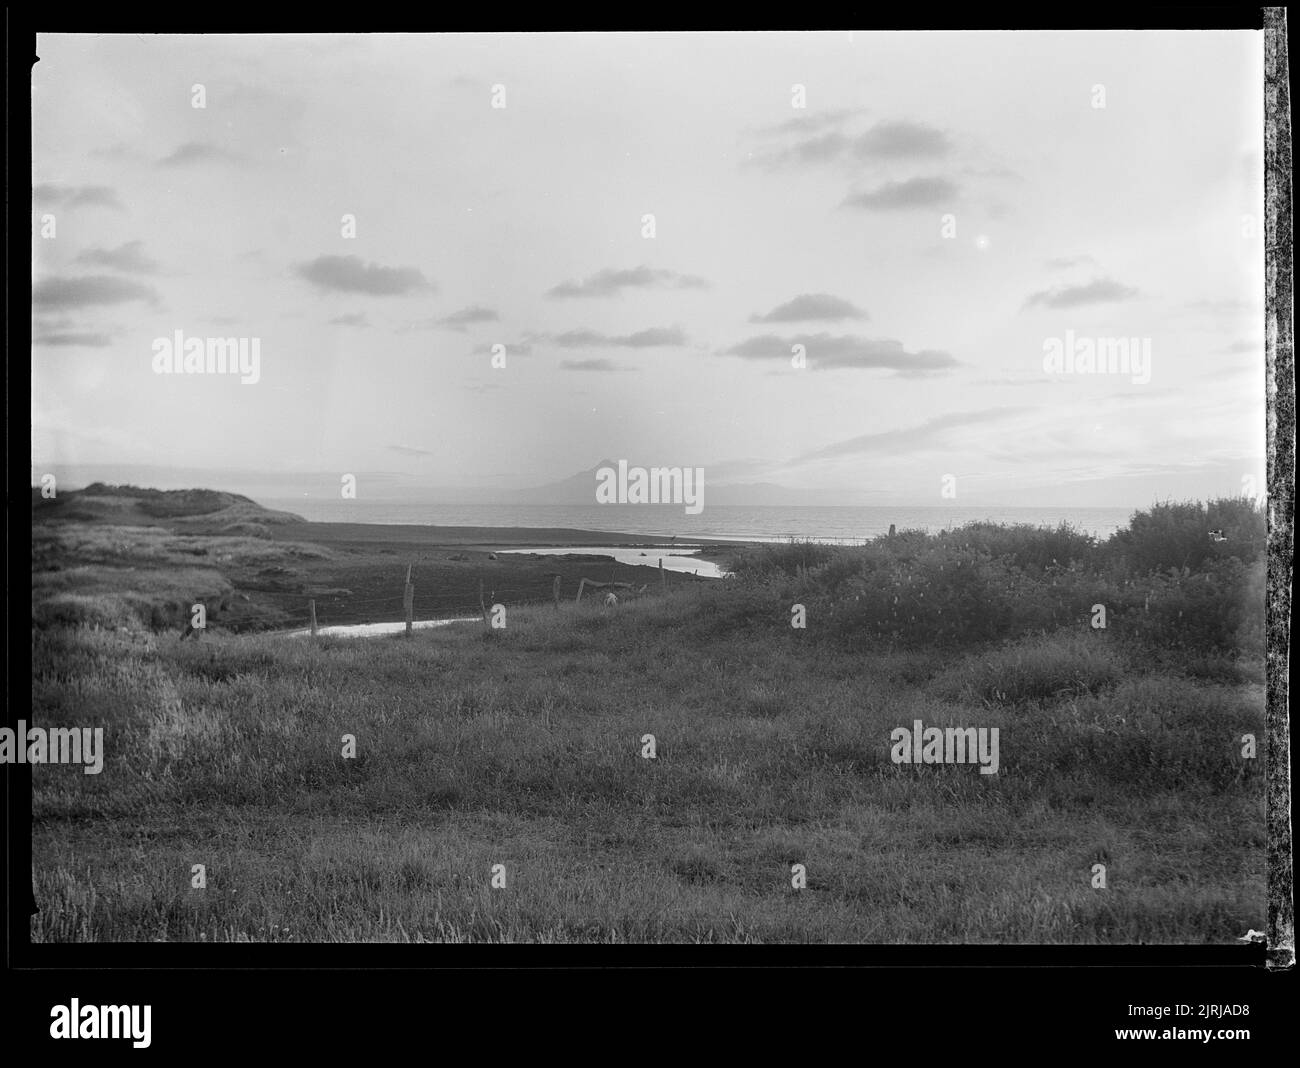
(192,511)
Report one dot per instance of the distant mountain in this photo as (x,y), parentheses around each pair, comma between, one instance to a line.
(576,489)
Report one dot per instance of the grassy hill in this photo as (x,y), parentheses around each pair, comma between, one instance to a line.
(194,511)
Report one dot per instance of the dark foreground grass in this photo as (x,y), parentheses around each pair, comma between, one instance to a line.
(523,749)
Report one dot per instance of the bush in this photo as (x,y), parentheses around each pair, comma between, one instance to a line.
(1177,535)
(1217,610)
(759,563)
(1025,546)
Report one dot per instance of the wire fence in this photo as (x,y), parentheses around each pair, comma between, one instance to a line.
(390,606)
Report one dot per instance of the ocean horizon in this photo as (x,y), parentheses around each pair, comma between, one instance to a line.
(840,524)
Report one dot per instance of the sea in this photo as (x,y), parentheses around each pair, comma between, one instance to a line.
(845,525)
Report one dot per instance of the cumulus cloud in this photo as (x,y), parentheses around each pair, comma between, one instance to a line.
(900,196)
(50,195)
(1098,291)
(611,281)
(825,353)
(809,307)
(349,274)
(88,290)
(129,257)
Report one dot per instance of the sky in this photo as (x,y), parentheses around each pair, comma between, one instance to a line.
(649,224)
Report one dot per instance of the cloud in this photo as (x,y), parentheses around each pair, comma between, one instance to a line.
(352,319)
(642,339)
(1098,291)
(591,365)
(199,152)
(927,435)
(406,450)
(88,340)
(900,196)
(827,353)
(89,290)
(811,307)
(1255,348)
(348,274)
(129,257)
(821,141)
(467,316)
(610,281)
(820,148)
(76,196)
(901,140)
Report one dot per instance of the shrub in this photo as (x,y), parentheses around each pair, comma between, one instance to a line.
(788,558)
(1177,535)
(1025,546)
(1217,610)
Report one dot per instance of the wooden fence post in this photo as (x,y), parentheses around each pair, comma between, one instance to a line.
(311,608)
(408,601)
(581,584)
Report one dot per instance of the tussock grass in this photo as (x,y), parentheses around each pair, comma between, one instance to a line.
(523,749)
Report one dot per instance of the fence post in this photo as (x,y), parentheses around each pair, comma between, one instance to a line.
(581,585)
(408,600)
(311,608)
(663,576)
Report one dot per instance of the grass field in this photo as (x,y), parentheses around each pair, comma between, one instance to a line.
(523,747)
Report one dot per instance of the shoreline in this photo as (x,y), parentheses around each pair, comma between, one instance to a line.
(488,538)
